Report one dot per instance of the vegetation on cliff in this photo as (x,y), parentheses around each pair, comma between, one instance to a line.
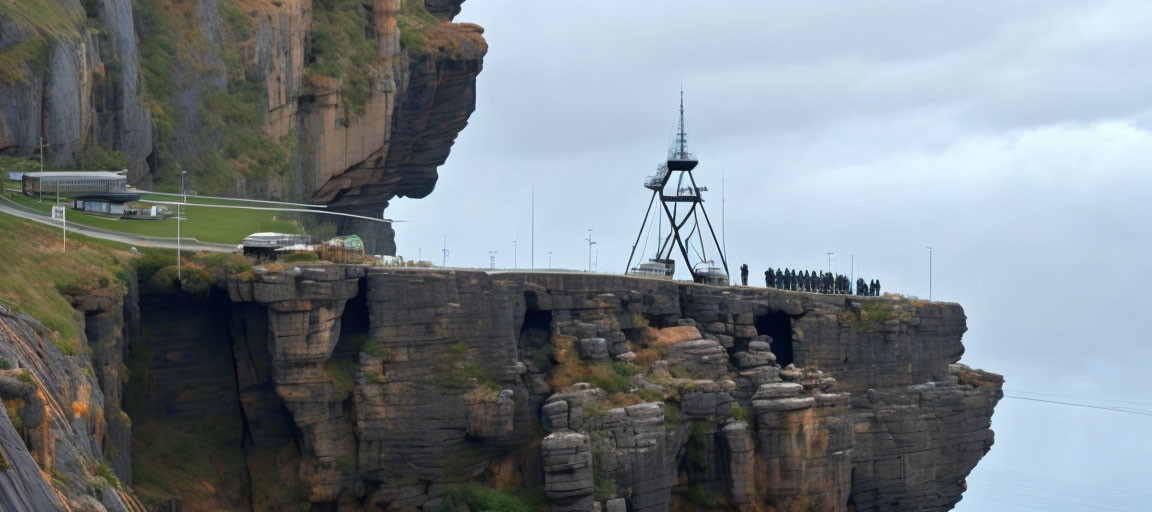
(44,21)
(217,134)
(37,277)
(344,49)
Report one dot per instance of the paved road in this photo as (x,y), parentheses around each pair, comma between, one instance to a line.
(188,244)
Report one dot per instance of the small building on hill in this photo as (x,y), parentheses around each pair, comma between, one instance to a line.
(71,183)
(119,204)
(270,246)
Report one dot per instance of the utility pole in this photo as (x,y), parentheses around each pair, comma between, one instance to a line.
(492,259)
(590,244)
(929,273)
(829,261)
(179,207)
(444,253)
(515,253)
(42,154)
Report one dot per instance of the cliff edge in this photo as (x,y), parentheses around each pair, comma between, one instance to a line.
(356,388)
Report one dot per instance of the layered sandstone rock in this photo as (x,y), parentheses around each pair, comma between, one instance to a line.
(457,392)
(360,388)
(65,442)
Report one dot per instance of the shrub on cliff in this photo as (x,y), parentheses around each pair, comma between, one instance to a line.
(740,413)
(152,261)
(454,371)
(476,498)
(195,280)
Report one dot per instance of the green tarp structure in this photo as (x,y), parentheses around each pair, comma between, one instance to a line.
(348,242)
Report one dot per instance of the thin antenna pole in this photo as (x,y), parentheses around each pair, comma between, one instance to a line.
(532,244)
(723,217)
(929,273)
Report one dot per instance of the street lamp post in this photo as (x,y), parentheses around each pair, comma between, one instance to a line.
(549,259)
(515,255)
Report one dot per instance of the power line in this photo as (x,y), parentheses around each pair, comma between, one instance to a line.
(1081,397)
(1128,410)
(324,212)
(1053,501)
(1023,486)
(970,493)
(232,199)
(1058,480)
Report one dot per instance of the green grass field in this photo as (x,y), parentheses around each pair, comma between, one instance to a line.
(35,274)
(214,225)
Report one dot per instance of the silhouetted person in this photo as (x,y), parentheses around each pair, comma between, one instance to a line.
(744,274)
(779,278)
(877,287)
(769,277)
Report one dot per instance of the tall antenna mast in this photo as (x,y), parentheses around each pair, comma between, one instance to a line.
(680,150)
(683,189)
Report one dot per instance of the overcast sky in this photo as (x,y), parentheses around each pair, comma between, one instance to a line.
(1014,137)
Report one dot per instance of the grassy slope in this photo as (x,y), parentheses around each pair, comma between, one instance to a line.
(216,225)
(35,273)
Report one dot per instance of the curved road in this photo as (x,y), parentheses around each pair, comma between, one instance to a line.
(188,244)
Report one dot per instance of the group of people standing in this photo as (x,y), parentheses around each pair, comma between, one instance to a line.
(814,281)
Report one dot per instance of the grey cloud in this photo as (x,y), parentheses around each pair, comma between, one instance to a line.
(1013,136)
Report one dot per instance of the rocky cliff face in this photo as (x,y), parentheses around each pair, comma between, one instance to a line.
(351,388)
(620,393)
(65,441)
(342,102)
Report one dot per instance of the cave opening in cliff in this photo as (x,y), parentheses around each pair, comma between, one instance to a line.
(777,326)
(536,338)
(353,326)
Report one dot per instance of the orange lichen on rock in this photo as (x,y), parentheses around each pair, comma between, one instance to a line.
(79,409)
(672,335)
